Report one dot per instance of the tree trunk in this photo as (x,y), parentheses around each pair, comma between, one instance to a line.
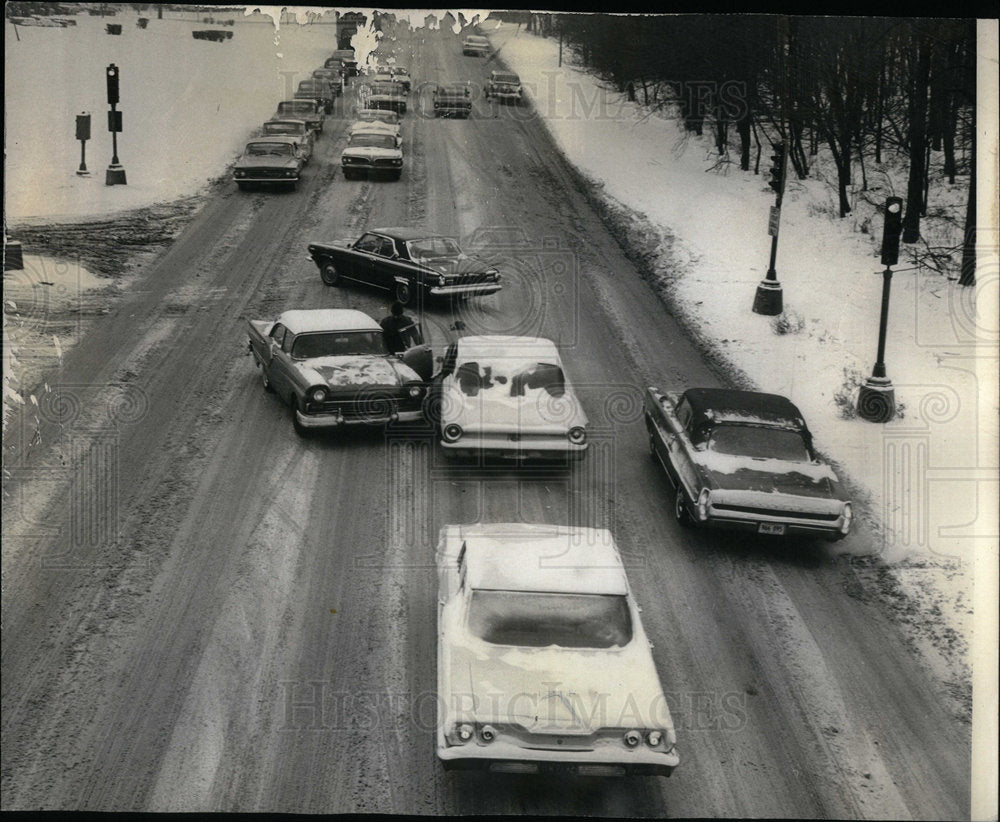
(743,129)
(861,159)
(879,102)
(842,159)
(968,275)
(918,141)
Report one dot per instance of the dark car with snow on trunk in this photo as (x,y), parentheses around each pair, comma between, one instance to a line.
(744,460)
(406,262)
(333,368)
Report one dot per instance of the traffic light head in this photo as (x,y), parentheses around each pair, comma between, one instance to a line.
(892,228)
(112,75)
(777,167)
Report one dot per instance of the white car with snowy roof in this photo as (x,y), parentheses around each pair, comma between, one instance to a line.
(333,368)
(507,397)
(744,460)
(543,664)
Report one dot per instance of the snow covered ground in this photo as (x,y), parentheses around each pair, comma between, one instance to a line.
(930,476)
(181,128)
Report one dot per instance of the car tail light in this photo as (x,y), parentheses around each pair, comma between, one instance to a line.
(654,738)
(317,394)
(452,432)
(488,733)
(464,732)
(577,435)
(703,500)
(848,516)
(632,738)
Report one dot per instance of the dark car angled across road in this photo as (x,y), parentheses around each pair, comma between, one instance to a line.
(406,262)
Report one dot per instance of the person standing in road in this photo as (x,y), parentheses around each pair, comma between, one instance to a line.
(399,331)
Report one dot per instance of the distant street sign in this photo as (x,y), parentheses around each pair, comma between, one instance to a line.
(772,221)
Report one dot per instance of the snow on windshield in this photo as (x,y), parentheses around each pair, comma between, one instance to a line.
(539,619)
(758,442)
(511,377)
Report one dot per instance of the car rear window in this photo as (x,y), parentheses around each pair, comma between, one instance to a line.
(758,441)
(539,619)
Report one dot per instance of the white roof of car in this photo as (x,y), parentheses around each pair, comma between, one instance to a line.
(555,558)
(302,321)
(277,138)
(503,346)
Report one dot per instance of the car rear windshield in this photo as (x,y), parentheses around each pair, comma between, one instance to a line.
(263,149)
(539,619)
(510,378)
(371,115)
(507,78)
(282,128)
(373,140)
(299,106)
(432,247)
(338,344)
(758,441)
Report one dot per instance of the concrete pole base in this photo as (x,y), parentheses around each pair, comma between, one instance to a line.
(877,400)
(115,176)
(83,173)
(769,298)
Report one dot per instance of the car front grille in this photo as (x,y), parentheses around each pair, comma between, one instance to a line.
(270,173)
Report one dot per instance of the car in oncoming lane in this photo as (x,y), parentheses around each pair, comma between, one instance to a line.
(407,262)
(507,397)
(269,161)
(372,152)
(475,46)
(543,664)
(333,368)
(744,460)
(504,86)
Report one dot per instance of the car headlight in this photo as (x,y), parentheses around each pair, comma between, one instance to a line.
(632,738)
(415,391)
(848,514)
(291,172)
(577,435)
(703,499)
(317,394)
(397,161)
(240,173)
(654,738)
(487,733)
(452,432)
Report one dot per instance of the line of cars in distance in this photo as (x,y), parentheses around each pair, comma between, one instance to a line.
(542,661)
(287,139)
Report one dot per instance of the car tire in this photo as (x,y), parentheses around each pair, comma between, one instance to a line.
(264,381)
(328,274)
(404,293)
(681,513)
(300,429)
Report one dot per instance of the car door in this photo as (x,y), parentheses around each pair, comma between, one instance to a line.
(437,386)
(385,264)
(271,365)
(362,258)
(680,449)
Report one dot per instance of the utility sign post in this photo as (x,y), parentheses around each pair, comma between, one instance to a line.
(115,174)
(769,299)
(83,134)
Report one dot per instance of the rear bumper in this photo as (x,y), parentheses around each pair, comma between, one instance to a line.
(773,526)
(499,447)
(513,759)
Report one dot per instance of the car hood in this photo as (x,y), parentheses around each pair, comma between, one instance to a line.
(735,473)
(357,370)
(494,409)
(554,690)
(372,152)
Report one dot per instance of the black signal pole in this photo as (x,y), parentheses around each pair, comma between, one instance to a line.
(115,174)
(877,398)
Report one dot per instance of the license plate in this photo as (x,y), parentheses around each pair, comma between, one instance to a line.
(775,528)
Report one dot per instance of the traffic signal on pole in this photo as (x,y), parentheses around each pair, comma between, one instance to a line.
(892,228)
(112,84)
(777,167)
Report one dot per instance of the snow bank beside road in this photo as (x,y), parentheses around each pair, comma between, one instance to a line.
(930,474)
(187,106)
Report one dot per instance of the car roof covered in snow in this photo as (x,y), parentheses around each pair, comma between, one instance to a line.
(714,405)
(553,558)
(304,321)
(502,346)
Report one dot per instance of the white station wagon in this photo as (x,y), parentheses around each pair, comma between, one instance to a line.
(543,664)
(507,397)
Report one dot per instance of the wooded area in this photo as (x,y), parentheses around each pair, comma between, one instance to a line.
(873,90)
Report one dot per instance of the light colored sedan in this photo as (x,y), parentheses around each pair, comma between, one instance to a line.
(543,664)
(507,397)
